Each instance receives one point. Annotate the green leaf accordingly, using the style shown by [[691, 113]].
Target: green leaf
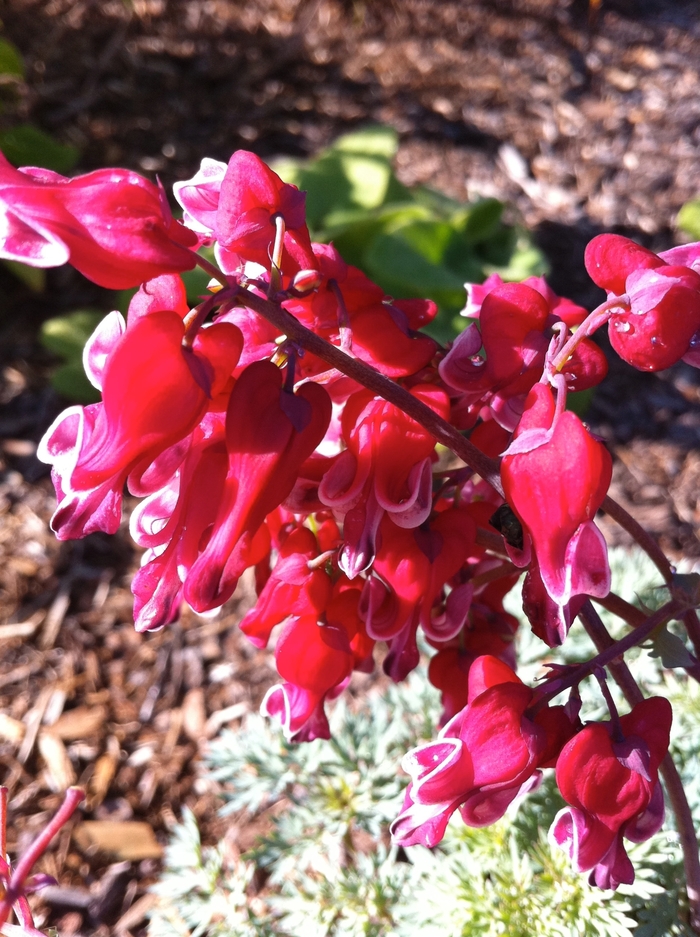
[[671, 649], [66, 335], [196, 282], [33, 277], [688, 219], [71, 382], [483, 220], [10, 59], [26, 145], [377, 140], [404, 272], [580, 401]]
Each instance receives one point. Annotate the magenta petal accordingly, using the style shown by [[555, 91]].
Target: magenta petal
[[440, 771], [100, 344], [614, 868], [483, 808], [299, 712], [421, 824], [584, 838], [640, 828], [587, 560], [417, 507]]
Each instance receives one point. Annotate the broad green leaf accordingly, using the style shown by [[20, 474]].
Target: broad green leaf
[[10, 59], [580, 401], [688, 219], [483, 220], [66, 335], [196, 282], [404, 272], [33, 277], [526, 260], [368, 177], [71, 382], [26, 145], [352, 230], [430, 239], [370, 141]]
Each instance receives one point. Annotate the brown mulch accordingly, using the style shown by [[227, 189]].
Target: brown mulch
[[579, 127]]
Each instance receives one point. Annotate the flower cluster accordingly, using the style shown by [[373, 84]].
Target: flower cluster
[[281, 449]]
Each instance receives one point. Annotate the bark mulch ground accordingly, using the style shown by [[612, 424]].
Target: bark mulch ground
[[580, 127]]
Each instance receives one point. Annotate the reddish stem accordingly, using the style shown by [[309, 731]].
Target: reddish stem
[[487, 468], [658, 558], [36, 849], [590, 325], [610, 652]]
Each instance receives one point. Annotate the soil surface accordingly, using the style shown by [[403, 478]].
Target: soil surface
[[581, 123]]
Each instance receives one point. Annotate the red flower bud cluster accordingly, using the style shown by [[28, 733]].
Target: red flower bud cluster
[[251, 451]]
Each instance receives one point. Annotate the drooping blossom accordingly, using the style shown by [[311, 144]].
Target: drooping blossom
[[269, 434], [609, 777], [113, 225], [515, 328], [483, 758], [659, 309], [155, 390], [555, 484], [386, 468]]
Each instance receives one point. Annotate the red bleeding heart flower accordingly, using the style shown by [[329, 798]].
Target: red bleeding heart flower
[[555, 481], [113, 225], [155, 390], [610, 781], [483, 758], [660, 302], [270, 432]]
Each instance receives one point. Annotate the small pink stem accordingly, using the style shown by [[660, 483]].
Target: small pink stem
[[590, 325], [36, 849]]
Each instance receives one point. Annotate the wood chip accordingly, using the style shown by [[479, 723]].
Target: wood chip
[[59, 769], [128, 840], [194, 714], [11, 730], [32, 722], [79, 723], [103, 775], [21, 629], [136, 913], [56, 614]]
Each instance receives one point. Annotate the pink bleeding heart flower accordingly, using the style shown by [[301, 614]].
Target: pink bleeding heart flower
[[387, 467], [484, 757], [270, 432], [515, 329], [611, 785], [565, 309], [155, 390], [383, 333], [489, 630], [555, 482], [199, 196], [172, 522], [292, 588], [660, 302], [315, 660], [113, 225], [251, 195], [409, 574]]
